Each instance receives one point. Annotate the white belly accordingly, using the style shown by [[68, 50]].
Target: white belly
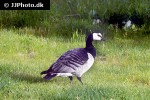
[[82, 69], [64, 74]]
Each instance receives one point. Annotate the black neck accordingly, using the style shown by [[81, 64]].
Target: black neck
[[89, 42], [89, 46]]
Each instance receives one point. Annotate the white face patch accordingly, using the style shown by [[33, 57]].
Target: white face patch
[[97, 36]]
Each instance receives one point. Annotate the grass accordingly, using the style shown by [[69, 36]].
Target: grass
[[67, 16], [121, 70]]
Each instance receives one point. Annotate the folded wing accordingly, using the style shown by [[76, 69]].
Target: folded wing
[[69, 61]]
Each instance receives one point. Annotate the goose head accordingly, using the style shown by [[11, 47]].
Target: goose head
[[92, 37], [98, 36]]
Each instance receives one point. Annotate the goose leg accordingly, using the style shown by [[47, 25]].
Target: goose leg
[[79, 78], [71, 78]]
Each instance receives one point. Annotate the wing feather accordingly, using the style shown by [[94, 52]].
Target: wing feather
[[69, 61]]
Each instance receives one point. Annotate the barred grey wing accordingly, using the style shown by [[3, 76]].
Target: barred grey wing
[[70, 60]]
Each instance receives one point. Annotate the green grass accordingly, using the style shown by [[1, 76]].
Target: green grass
[[57, 21], [121, 70]]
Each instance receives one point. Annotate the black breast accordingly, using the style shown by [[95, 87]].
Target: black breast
[[92, 51]]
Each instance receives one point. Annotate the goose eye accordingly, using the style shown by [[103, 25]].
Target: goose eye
[[99, 35]]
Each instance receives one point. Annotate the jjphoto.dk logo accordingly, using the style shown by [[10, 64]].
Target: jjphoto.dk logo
[[12, 5], [24, 5]]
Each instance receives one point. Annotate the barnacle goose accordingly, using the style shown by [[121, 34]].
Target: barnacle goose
[[74, 62]]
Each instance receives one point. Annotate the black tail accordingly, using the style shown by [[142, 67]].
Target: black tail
[[50, 76], [44, 72]]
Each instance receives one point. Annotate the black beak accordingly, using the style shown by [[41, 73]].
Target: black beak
[[103, 39]]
